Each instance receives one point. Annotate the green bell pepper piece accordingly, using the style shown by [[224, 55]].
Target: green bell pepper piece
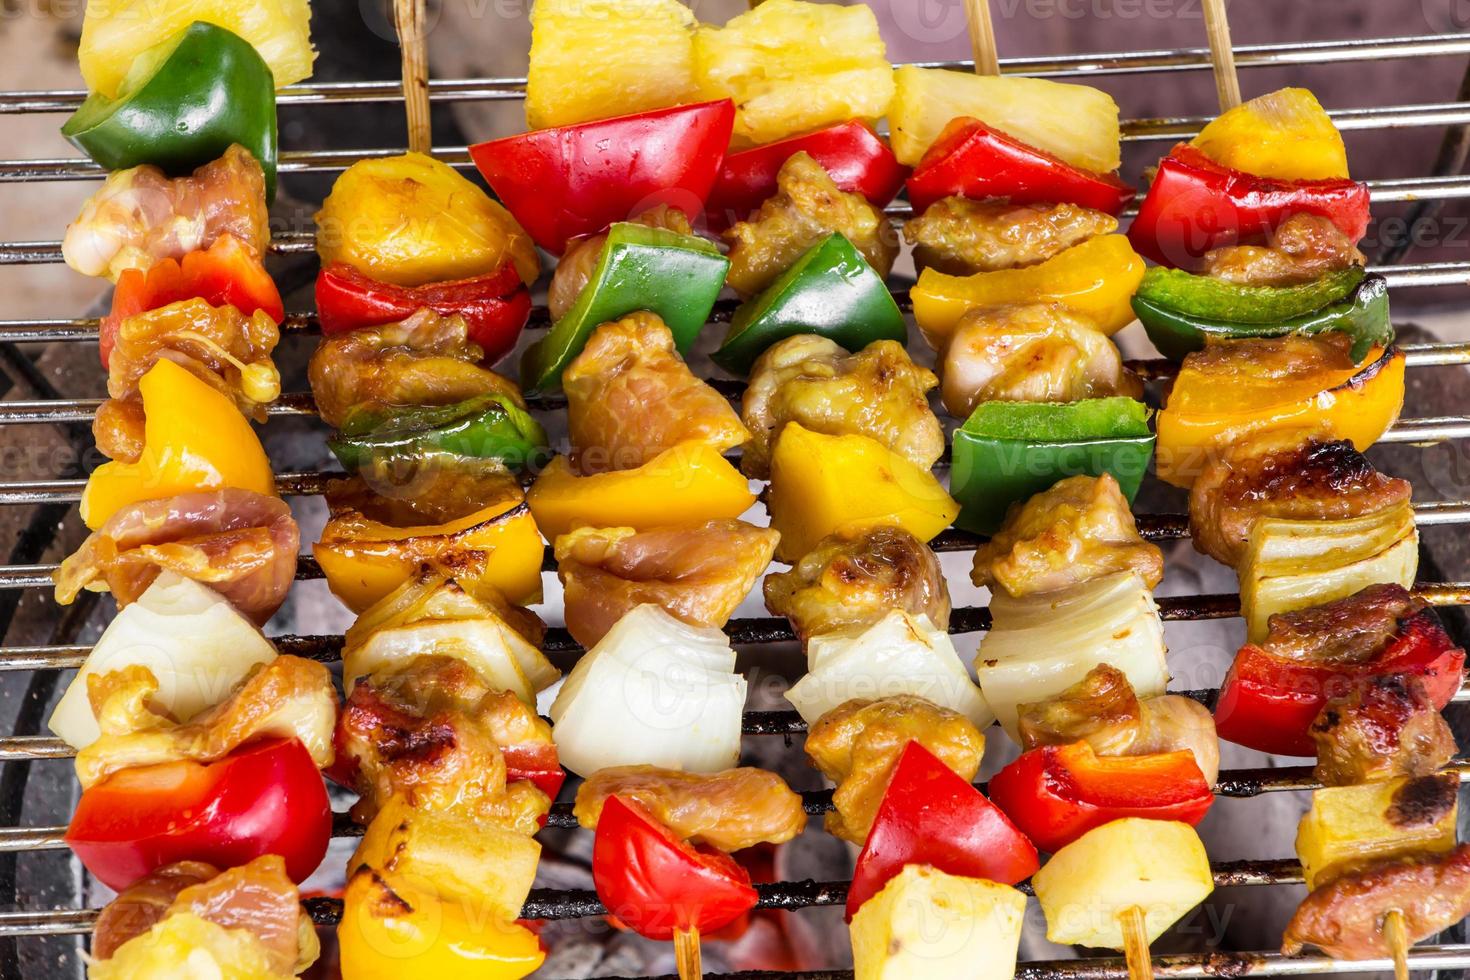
[[1006, 452], [484, 427], [181, 105], [1363, 316], [1216, 299], [678, 277], [831, 290]]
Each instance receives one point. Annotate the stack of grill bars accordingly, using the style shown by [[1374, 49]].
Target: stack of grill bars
[[16, 751]]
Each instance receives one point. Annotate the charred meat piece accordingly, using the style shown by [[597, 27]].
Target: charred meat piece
[[878, 392], [577, 264], [961, 237], [1103, 711], [1302, 248], [426, 359], [222, 347], [240, 543], [854, 578], [1077, 531], [1384, 728], [141, 215], [728, 810], [857, 744], [1039, 352], [1351, 630], [697, 574], [1345, 917], [288, 697], [630, 396], [1286, 474], [433, 732], [807, 208]]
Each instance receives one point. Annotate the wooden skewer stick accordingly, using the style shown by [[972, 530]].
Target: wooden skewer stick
[[413, 43], [982, 37], [1396, 931], [1222, 54], [686, 954], [1135, 944]]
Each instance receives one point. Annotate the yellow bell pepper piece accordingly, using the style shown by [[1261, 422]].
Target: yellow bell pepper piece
[[1216, 401], [688, 483], [194, 438], [1284, 134], [1096, 279], [822, 484], [390, 931], [411, 220], [498, 546]]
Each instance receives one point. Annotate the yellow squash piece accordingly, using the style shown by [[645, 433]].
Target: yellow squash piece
[[1159, 866], [411, 220], [1217, 400], [194, 438], [1077, 123], [823, 484], [115, 32], [936, 926], [688, 483], [1348, 826], [591, 59], [1284, 134], [793, 66], [498, 546], [389, 931], [1096, 279]]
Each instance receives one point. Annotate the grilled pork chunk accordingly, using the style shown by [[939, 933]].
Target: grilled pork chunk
[[1385, 728]]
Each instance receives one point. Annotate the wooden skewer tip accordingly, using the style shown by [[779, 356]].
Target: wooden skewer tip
[[687, 955], [1135, 944], [982, 37], [1396, 932]]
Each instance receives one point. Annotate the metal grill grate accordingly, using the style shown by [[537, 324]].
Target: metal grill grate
[[22, 749]]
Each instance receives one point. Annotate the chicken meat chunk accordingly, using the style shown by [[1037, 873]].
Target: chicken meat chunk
[[1384, 728], [879, 392], [1302, 248], [697, 574], [729, 810], [1287, 474], [807, 207], [578, 263], [1079, 530], [961, 237], [1037, 352], [852, 579], [857, 744]]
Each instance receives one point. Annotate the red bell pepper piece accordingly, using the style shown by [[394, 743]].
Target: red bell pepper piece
[[656, 884], [1268, 702], [1194, 205], [856, 157], [576, 180], [225, 274], [929, 815], [495, 307], [972, 160], [1055, 794], [264, 798], [535, 763]]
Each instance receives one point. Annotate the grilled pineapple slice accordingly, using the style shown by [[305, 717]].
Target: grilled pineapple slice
[[1159, 866], [591, 59], [1349, 826], [793, 66], [1284, 134], [114, 32], [1077, 123], [925, 923]]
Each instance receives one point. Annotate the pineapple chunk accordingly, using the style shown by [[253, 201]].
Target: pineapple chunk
[[591, 59], [1284, 134], [792, 67], [1160, 866], [925, 923], [114, 32], [1348, 826], [1077, 123], [823, 483]]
